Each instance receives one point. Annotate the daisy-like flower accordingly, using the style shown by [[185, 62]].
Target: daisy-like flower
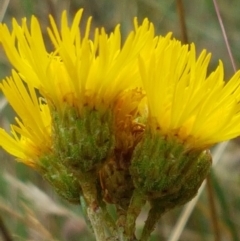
[[79, 71], [188, 112], [80, 80], [184, 102], [31, 137]]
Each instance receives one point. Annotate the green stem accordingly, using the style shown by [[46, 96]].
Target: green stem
[[95, 216], [94, 211], [153, 217], [111, 226], [98, 218], [84, 212], [134, 209]]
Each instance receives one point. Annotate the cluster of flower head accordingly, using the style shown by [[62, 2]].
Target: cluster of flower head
[[137, 115]]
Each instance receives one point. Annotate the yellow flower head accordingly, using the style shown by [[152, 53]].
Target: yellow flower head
[[80, 82], [32, 141], [80, 71], [187, 112], [183, 102]]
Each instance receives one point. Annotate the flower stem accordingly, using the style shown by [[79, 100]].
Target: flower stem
[[153, 216], [134, 209], [92, 207], [95, 217]]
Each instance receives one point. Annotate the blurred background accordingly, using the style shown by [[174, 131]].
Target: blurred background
[[30, 210]]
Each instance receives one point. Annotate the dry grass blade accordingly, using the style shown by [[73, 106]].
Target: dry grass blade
[[6, 235], [3, 9], [224, 35], [38, 198], [43, 205], [213, 209], [36, 225], [28, 219], [181, 13], [3, 103]]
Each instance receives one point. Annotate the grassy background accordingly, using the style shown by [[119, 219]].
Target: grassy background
[[29, 207]]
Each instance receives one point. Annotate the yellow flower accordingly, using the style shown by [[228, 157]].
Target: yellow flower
[[32, 141], [80, 80], [79, 71], [183, 102], [70, 130], [188, 112]]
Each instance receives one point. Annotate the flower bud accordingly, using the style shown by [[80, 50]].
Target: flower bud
[[165, 170], [82, 143]]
